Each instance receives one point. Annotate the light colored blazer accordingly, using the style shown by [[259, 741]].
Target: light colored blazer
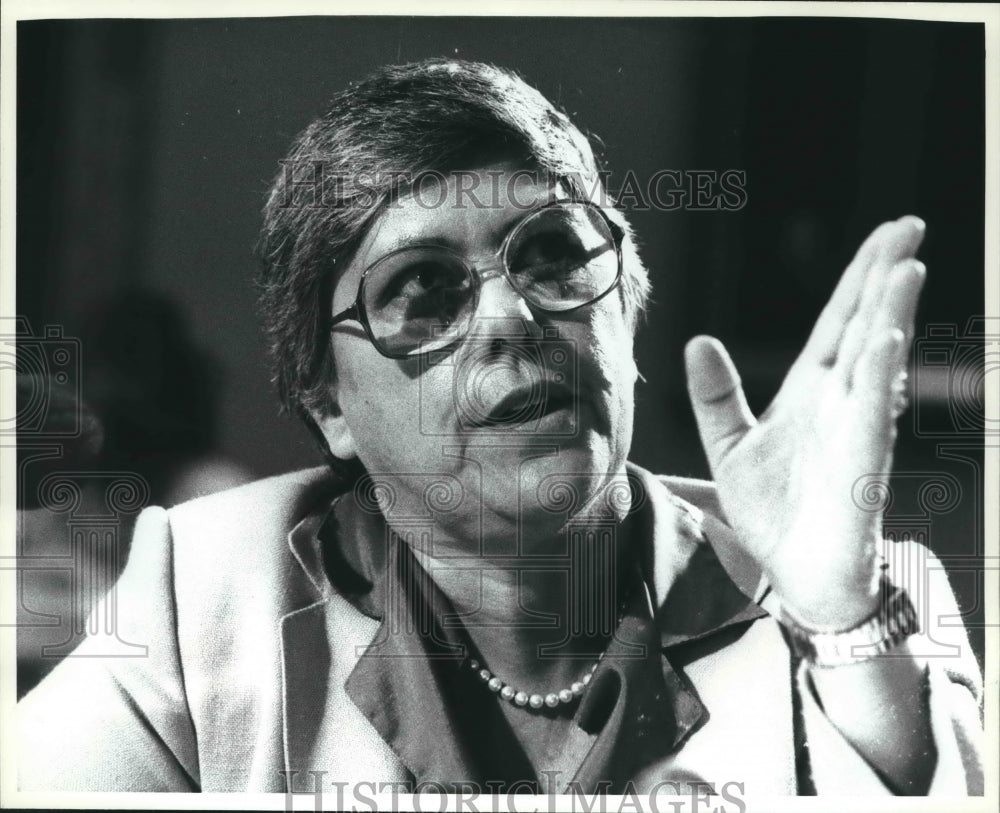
[[248, 647]]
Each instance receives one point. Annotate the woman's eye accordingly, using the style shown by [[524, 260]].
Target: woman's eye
[[549, 253], [426, 277], [541, 248], [418, 280]]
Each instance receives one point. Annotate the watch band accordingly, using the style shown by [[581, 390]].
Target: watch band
[[893, 622]]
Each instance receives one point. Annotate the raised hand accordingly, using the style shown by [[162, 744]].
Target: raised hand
[[785, 480]]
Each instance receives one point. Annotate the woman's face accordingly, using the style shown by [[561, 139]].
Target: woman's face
[[528, 408]]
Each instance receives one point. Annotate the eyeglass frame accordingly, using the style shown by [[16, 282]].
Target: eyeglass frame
[[357, 311]]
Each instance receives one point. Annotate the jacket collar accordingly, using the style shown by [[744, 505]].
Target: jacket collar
[[692, 595], [691, 549]]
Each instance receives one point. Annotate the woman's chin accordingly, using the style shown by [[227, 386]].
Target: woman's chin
[[551, 487]]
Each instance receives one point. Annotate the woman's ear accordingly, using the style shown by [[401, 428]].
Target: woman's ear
[[337, 433]]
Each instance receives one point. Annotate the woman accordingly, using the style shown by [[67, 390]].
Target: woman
[[479, 588]]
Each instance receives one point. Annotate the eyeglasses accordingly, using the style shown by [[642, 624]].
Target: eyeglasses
[[561, 257]]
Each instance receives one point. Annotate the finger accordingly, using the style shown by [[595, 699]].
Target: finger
[[898, 247], [899, 307], [877, 373], [858, 286], [896, 307], [720, 407]]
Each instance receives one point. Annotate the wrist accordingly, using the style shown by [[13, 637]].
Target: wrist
[[822, 607], [888, 625], [844, 611]]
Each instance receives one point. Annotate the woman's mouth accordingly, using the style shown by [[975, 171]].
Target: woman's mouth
[[524, 407]]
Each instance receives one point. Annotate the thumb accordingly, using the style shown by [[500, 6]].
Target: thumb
[[717, 398]]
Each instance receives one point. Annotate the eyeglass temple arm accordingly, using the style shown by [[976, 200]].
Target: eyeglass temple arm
[[345, 315], [617, 232]]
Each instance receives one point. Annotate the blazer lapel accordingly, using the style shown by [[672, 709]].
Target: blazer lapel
[[700, 582], [739, 670], [324, 733], [323, 637]]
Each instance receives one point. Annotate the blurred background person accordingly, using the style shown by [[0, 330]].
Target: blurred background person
[[157, 393], [150, 417]]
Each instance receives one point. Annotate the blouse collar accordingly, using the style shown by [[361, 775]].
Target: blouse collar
[[687, 596]]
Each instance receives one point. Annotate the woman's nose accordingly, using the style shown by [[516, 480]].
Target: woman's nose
[[502, 309]]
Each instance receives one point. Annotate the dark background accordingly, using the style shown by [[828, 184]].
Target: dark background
[[145, 149]]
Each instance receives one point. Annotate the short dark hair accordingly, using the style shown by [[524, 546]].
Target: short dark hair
[[432, 116]]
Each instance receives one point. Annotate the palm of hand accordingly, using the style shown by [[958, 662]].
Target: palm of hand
[[787, 481]]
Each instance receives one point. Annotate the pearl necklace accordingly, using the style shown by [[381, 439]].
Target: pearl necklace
[[550, 700], [534, 701]]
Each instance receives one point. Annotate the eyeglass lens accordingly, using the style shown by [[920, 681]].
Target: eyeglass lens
[[424, 298]]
